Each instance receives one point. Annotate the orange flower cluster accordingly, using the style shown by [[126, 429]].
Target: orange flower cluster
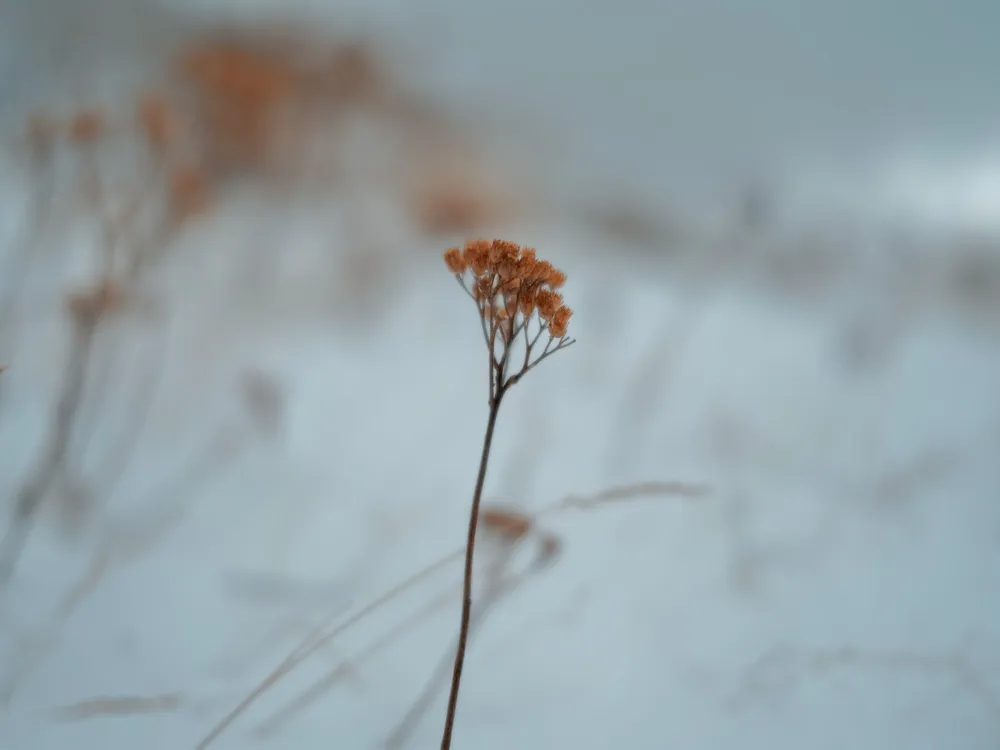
[[188, 190], [508, 279], [238, 91]]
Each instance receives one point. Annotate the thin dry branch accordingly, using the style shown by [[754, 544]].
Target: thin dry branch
[[273, 723], [121, 550], [129, 705], [37, 486], [39, 211], [548, 548], [510, 287], [87, 310], [315, 640], [501, 584], [627, 493]]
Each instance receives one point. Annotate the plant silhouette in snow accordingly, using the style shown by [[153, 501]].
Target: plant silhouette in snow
[[126, 249], [514, 292]]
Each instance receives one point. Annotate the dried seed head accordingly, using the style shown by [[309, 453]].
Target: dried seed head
[[526, 267], [511, 287], [483, 289], [87, 126], [503, 250], [506, 269], [508, 524], [476, 255], [455, 260], [560, 320], [507, 281], [542, 270], [526, 303], [547, 302]]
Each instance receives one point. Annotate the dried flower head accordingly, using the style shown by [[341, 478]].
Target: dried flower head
[[509, 285], [86, 126], [455, 261], [547, 303], [239, 90], [560, 319], [506, 524]]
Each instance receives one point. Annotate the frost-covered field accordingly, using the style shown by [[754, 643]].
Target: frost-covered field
[[769, 465]]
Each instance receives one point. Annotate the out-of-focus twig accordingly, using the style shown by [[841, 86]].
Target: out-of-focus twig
[[500, 584], [316, 640], [627, 493], [502, 522], [34, 490], [128, 705], [124, 548], [308, 696]]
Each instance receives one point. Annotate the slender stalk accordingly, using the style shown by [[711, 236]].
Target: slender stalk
[[470, 546], [31, 495]]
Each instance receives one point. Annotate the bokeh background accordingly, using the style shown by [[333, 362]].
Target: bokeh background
[[243, 402]]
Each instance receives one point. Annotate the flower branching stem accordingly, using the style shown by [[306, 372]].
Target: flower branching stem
[[510, 288]]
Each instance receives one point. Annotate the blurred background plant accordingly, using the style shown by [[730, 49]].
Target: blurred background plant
[[228, 378]]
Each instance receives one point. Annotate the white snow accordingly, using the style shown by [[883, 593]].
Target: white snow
[[838, 586]]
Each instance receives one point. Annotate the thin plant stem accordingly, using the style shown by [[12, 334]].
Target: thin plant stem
[[316, 640], [33, 492], [470, 546]]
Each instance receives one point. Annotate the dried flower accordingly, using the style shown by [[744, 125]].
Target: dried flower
[[560, 319], [455, 261], [508, 284], [239, 90], [547, 302], [507, 524], [87, 126]]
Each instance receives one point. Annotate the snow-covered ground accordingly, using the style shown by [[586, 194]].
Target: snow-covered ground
[[769, 463]]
